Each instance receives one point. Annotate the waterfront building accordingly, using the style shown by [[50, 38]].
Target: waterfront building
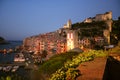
[[66, 38], [72, 39]]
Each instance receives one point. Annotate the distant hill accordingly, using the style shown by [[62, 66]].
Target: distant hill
[[3, 41]]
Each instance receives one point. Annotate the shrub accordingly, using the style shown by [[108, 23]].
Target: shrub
[[69, 71], [72, 73], [56, 62]]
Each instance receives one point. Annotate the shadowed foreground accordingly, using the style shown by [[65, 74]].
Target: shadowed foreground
[[112, 70]]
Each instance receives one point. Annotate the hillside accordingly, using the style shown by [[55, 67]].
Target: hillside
[[115, 34], [90, 29], [96, 29], [2, 41]]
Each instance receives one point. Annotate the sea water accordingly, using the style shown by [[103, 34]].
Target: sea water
[[8, 57]]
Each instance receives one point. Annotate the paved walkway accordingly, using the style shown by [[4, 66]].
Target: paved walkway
[[92, 70]]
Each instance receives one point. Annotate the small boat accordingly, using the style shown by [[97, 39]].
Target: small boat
[[4, 68], [14, 68], [7, 68], [19, 58], [1, 68]]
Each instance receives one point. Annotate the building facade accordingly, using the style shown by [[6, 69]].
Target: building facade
[[66, 38], [72, 39]]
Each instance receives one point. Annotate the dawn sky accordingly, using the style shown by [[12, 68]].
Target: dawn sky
[[23, 18]]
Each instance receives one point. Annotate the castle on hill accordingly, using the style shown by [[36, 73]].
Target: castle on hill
[[66, 38], [99, 17]]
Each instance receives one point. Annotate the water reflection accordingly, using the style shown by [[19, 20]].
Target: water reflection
[[7, 58]]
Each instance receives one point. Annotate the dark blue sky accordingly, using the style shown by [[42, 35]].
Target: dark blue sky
[[23, 18]]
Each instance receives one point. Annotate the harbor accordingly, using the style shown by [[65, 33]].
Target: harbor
[[9, 68], [16, 64]]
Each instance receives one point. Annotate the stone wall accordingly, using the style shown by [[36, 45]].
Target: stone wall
[[100, 17], [103, 17]]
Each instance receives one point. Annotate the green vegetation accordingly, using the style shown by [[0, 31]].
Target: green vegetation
[[12, 77], [69, 71], [99, 24], [96, 29], [90, 29], [115, 34], [56, 62]]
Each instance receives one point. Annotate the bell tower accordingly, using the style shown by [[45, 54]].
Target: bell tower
[[68, 25], [72, 39]]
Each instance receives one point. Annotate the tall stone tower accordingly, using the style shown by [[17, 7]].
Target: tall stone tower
[[68, 25], [72, 39]]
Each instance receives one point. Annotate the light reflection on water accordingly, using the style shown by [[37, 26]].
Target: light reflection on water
[[6, 58], [9, 57]]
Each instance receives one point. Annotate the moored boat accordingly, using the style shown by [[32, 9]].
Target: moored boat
[[0, 68], [19, 58], [14, 68]]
